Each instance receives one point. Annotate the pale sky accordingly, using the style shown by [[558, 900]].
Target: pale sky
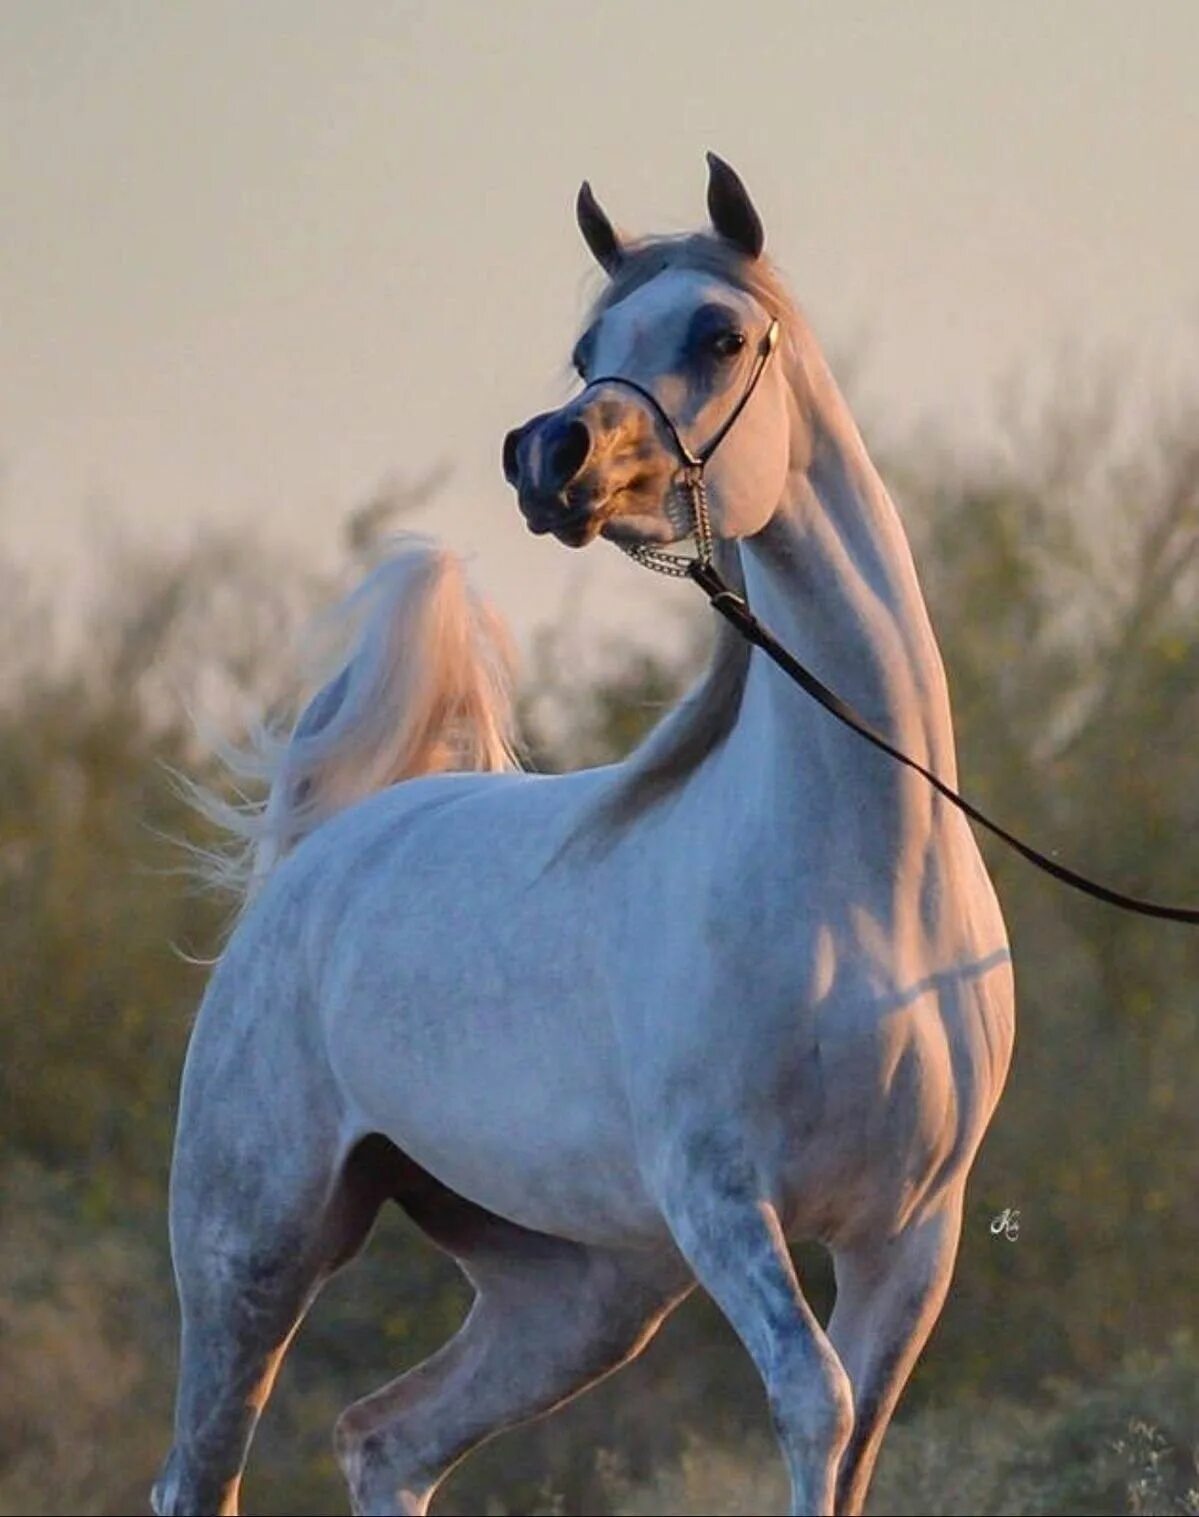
[[256, 257]]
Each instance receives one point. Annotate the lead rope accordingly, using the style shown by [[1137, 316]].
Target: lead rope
[[725, 600], [732, 607]]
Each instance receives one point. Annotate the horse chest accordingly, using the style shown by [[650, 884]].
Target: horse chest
[[850, 1110]]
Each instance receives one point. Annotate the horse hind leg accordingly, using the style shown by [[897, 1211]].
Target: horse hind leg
[[252, 1244], [550, 1319], [889, 1296]]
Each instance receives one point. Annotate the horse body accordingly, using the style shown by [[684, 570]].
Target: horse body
[[502, 1071], [613, 1058]]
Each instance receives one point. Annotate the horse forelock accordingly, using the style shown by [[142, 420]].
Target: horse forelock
[[701, 253]]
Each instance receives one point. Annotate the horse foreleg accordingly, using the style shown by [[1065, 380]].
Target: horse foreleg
[[734, 1242], [550, 1318], [889, 1296]]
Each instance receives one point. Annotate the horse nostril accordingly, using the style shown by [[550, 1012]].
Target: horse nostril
[[511, 458], [566, 453]]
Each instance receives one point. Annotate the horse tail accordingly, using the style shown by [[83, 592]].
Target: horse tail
[[426, 687]]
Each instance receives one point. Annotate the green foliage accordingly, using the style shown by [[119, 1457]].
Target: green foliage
[[81, 1305], [1065, 589]]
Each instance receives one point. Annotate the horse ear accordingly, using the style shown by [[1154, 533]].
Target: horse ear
[[598, 232], [731, 209]]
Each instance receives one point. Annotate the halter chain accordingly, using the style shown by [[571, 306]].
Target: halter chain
[[678, 565]]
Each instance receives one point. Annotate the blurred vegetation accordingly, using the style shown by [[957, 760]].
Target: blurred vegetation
[[1078, 1451], [1063, 574]]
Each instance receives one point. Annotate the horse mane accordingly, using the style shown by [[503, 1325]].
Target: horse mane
[[702, 721]]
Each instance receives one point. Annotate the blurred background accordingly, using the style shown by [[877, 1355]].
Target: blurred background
[[274, 281]]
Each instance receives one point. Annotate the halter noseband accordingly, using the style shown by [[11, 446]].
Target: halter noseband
[[677, 564]]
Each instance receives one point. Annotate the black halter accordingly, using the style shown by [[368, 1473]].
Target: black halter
[[735, 610], [692, 478]]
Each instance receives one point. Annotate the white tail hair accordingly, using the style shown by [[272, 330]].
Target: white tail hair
[[426, 688]]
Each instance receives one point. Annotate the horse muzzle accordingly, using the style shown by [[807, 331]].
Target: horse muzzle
[[546, 462], [596, 462]]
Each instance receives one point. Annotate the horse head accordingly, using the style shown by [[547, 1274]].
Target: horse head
[[675, 343]]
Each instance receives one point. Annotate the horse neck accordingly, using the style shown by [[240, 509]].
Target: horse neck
[[832, 576]]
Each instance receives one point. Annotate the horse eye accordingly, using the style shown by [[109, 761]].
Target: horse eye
[[728, 344]]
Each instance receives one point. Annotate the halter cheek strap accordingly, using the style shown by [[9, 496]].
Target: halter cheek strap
[[691, 480]]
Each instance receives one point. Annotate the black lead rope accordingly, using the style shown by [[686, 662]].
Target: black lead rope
[[733, 608]]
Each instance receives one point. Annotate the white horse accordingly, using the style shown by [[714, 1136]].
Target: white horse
[[608, 1034]]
